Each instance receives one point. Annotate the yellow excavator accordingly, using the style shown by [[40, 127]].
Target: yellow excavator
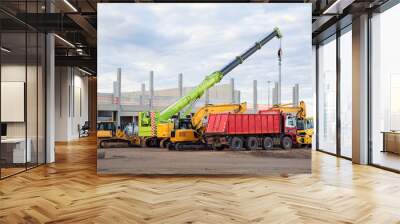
[[305, 125], [188, 132], [109, 135], [105, 129]]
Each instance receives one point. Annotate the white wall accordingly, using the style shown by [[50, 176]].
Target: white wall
[[71, 94]]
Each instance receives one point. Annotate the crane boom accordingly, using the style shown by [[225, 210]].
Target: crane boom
[[214, 78], [149, 120]]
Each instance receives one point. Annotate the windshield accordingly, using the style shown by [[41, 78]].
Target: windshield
[[309, 123], [105, 126], [300, 125]]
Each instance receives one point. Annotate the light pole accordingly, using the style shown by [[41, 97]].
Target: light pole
[[280, 72]]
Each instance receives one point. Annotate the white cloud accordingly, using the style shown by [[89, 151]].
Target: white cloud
[[197, 39]]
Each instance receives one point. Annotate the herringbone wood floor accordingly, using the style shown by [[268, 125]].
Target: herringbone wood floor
[[70, 191]]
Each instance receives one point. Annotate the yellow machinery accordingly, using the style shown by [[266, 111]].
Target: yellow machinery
[[188, 131], [105, 129], [110, 136], [305, 125]]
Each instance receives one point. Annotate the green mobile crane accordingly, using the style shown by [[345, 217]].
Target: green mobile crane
[[149, 120]]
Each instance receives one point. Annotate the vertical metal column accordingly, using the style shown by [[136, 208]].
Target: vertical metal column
[[369, 90], [232, 90], [360, 88], [317, 97], [118, 89], [50, 92], [255, 103], [338, 77], [151, 89], [295, 96], [180, 84], [269, 93], [142, 94], [275, 94]]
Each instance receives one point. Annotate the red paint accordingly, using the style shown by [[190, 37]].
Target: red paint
[[268, 123]]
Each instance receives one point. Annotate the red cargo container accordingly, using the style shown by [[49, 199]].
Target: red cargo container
[[250, 130], [244, 124]]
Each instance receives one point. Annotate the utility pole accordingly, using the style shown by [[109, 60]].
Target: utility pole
[[280, 72]]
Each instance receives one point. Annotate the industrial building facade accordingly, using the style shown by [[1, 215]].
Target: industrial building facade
[[123, 107]]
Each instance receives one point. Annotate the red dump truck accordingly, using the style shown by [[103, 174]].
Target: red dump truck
[[251, 131]]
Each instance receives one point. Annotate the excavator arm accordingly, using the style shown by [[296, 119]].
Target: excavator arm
[[203, 112], [299, 110]]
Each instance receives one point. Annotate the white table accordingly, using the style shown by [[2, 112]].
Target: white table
[[18, 149]]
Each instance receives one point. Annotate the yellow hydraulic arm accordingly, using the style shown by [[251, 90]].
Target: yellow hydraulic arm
[[198, 117], [299, 110]]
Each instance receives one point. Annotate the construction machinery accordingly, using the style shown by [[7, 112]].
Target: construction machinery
[[108, 135], [149, 121], [305, 125], [105, 129], [188, 132], [251, 131]]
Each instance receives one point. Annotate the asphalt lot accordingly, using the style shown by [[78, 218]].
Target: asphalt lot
[[139, 161]]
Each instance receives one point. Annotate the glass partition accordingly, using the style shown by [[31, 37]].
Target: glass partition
[[22, 78], [13, 92], [327, 96], [385, 88], [346, 93]]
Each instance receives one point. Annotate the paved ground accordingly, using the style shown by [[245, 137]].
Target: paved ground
[[162, 161]]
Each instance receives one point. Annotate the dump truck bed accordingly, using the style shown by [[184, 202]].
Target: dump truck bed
[[233, 124]]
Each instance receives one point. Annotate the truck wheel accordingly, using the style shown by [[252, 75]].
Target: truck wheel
[[286, 142], [101, 144], [251, 143], [268, 143], [236, 143]]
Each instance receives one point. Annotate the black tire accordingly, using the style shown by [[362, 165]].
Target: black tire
[[216, 147], [152, 142], [171, 146], [236, 143], [268, 143], [286, 142], [101, 154], [164, 143], [251, 143], [101, 145], [178, 146]]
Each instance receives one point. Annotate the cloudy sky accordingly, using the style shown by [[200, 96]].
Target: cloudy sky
[[197, 39]]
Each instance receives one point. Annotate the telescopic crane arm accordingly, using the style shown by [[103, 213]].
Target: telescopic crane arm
[[214, 78]]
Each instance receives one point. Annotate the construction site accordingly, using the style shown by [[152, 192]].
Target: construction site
[[204, 128]]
